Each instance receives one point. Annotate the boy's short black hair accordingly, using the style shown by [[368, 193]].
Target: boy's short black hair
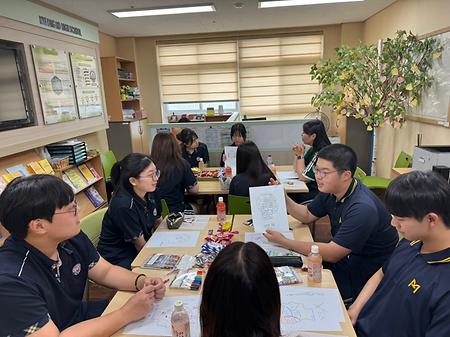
[[342, 157], [418, 193], [29, 198]]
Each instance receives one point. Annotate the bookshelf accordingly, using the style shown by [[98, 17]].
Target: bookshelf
[[85, 204], [117, 73]]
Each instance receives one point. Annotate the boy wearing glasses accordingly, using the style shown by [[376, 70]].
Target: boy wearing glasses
[[45, 263], [362, 237], [410, 294]]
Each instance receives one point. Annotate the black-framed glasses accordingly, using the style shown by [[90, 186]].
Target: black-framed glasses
[[322, 174], [155, 175], [73, 210]]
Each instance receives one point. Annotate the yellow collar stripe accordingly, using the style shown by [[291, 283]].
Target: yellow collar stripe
[[353, 189], [412, 243], [446, 260]]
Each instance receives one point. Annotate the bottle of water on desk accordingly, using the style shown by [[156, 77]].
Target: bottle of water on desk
[[180, 321], [315, 265], [221, 210]]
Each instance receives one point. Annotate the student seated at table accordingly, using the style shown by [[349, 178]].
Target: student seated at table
[[362, 235], [176, 175], [238, 135], [134, 211], [251, 170], [410, 294], [241, 296], [315, 136], [191, 149], [46, 262]]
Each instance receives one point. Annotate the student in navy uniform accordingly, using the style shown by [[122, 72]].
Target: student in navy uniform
[[315, 136], [134, 211], [45, 263], [410, 295], [241, 283], [191, 149], [176, 175], [251, 170], [362, 236], [238, 135]]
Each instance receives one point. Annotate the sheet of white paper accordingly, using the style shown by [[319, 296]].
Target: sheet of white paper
[[269, 208], [261, 240], [230, 153], [157, 323], [173, 239], [314, 309], [285, 175], [195, 222], [294, 185]]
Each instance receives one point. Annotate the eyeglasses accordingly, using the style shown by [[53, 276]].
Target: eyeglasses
[[73, 210], [154, 176], [322, 174]]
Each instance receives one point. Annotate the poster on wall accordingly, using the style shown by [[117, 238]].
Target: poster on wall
[[87, 86], [55, 84]]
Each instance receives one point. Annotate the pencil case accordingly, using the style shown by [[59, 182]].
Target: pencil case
[[292, 261], [174, 220]]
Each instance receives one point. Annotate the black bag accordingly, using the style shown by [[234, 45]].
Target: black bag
[[292, 261]]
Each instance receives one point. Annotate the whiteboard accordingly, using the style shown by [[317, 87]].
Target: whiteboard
[[436, 99], [269, 135]]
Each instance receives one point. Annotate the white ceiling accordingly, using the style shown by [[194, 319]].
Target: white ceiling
[[226, 17]]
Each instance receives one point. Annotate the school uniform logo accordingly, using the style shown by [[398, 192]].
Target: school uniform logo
[[414, 286], [76, 269]]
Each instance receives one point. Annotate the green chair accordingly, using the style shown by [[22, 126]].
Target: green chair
[[165, 208], [91, 225], [404, 160], [238, 205], [359, 173], [372, 182], [108, 160]]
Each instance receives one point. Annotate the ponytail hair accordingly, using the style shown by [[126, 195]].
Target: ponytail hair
[[129, 167]]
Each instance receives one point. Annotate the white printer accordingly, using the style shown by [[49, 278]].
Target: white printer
[[425, 157]]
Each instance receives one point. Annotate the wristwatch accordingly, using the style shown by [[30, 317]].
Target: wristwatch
[[299, 157]]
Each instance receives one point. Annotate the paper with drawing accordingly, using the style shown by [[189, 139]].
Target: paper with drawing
[[173, 239]]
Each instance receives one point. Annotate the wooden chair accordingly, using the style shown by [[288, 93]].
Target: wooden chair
[[238, 205]]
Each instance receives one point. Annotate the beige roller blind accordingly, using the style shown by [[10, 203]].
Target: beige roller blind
[[274, 74], [198, 72]]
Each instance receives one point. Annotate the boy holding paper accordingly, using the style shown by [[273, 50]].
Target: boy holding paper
[[362, 237]]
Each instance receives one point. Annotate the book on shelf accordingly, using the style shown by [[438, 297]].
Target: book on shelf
[[94, 196], [35, 168], [18, 168], [68, 182], [94, 172], [87, 174], [46, 166], [76, 178], [8, 177]]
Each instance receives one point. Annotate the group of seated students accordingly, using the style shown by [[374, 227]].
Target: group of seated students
[[394, 288]]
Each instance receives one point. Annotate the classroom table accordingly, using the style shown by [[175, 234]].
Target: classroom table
[[211, 186], [301, 232], [396, 171]]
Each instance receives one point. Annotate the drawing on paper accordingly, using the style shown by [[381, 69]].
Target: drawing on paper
[[294, 313], [267, 206]]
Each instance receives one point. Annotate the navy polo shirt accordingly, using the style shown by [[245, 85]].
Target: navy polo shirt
[[33, 289], [413, 298], [361, 223], [127, 218], [193, 158], [173, 187]]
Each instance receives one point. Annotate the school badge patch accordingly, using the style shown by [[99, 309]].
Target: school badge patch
[[76, 269]]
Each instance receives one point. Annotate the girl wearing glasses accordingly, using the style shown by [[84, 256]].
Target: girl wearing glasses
[[315, 136], [134, 211]]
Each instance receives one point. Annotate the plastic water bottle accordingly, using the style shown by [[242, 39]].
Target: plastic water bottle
[[201, 164], [221, 210], [315, 265], [271, 165], [180, 321]]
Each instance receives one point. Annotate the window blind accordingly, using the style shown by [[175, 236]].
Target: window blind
[[198, 72], [274, 74]]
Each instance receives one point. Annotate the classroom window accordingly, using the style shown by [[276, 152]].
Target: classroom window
[[260, 77]]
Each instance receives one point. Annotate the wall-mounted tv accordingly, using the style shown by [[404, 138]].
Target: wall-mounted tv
[[16, 104]]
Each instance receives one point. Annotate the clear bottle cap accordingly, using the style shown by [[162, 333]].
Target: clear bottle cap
[[315, 249], [178, 304], [220, 199]]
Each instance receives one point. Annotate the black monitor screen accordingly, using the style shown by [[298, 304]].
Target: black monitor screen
[[15, 96]]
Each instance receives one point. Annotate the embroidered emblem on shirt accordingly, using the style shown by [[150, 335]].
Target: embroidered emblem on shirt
[[76, 269], [31, 329], [414, 285]]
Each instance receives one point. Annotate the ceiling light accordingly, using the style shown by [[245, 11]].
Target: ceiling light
[[286, 3], [126, 13]]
